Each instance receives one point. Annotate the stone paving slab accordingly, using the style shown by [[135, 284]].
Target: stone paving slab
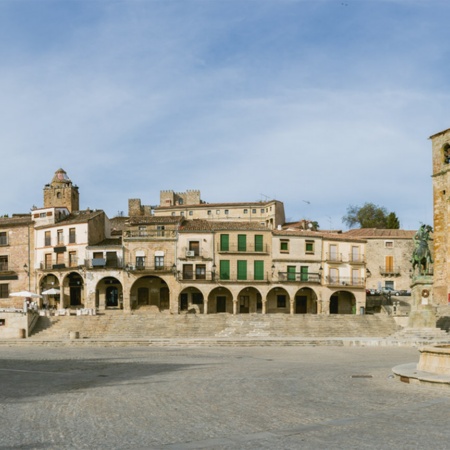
[[216, 398]]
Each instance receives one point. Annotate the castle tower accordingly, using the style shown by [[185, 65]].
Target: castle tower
[[61, 192], [441, 207]]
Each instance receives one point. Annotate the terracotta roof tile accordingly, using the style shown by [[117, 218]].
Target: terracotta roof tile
[[379, 233]]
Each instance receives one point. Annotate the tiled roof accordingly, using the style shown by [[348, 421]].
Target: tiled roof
[[379, 233], [149, 220], [19, 219], [108, 243], [74, 217], [318, 234]]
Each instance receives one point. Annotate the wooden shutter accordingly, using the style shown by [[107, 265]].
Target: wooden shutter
[[242, 242], [224, 242], [224, 270], [259, 246], [259, 270], [242, 270], [291, 273]]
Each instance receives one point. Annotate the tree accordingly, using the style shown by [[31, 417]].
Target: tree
[[370, 216]]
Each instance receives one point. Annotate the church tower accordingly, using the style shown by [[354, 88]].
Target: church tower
[[441, 211], [61, 192]]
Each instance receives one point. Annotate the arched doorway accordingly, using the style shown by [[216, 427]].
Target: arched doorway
[[73, 290], [150, 293], [305, 301], [220, 300], [50, 283], [249, 301], [191, 300], [342, 302], [109, 293], [278, 301]]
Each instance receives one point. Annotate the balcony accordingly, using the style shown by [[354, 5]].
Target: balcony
[[233, 278], [249, 248], [356, 282], [104, 263], [188, 276], [333, 257], [148, 268], [356, 259], [298, 277], [390, 271]]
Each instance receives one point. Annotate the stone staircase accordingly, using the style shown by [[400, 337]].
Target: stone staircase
[[117, 326]]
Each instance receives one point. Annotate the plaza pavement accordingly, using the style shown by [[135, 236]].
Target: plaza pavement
[[216, 398]]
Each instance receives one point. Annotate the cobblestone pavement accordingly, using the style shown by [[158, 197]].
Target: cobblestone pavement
[[216, 398]]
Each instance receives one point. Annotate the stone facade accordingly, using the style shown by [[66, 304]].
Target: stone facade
[[441, 204]]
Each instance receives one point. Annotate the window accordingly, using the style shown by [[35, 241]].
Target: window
[[258, 270], [284, 246], [291, 273], [389, 264], [140, 262], [245, 211], [262, 210], [48, 261], [259, 243], [254, 211], [200, 272], [303, 273], [191, 213], [218, 211], [60, 258], [224, 242], [72, 236], [48, 239], [3, 263], [194, 246], [3, 238], [197, 298], [97, 255], [309, 247], [334, 275], [73, 259], [224, 269], [4, 291], [180, 201], [389, 244], [209, 212], [333, 252], [160, 230], [188, 272], [159, 262], [242, 270], [281, 301], [226, 211], [60, 237], [389, 284], [42, 215], [242, 242]]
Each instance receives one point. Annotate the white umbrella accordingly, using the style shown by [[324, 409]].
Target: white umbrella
[[51, 291], [25, 294]]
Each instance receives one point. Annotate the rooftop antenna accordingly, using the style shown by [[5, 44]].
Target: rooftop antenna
[[266, 197]]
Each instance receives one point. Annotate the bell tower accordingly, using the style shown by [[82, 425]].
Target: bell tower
[[61, 192]]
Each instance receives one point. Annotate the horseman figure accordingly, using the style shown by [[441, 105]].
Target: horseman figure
[[421, 255]]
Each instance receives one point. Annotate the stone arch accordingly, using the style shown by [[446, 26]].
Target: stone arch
[[46, 282], [305, 301], [342, 302], [109, 293], [72, 291], [220, 300], [151, 293], [191, 300], [278, 301], [249, 301]]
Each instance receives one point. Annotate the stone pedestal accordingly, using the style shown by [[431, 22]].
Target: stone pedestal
[[423, 312]]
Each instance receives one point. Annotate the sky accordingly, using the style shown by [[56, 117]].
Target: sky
[[320, 104]]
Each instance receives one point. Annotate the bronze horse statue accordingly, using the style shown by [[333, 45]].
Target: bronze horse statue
[[422, 255]]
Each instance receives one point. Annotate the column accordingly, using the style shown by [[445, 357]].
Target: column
[[264, 301], [205, 305], [235, 304], [291, 307]]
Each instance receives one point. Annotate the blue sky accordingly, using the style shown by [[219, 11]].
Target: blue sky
[[321, 104]]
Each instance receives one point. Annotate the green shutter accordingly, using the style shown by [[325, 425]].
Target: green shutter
[[242, 270], [259, 270], [224, 270], [224, 242], [291, 273], [304, 273], [242, 242], [259, 243]]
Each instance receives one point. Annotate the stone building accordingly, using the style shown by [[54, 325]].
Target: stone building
[[388, 256], [441, 204]]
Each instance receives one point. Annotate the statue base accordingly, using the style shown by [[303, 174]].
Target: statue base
[[423, 312]]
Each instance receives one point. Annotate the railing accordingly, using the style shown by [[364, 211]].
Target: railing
[[357, 259], [390, 271], [148, 268], [249, 248], [299, 277], [333, 257], [345, 281], [208, 276], [150, 234], [54, 265], [232, 277], [3, 266], [103, 263]]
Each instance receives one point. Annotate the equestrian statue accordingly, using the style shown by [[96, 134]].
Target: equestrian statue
[[421, 254]]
